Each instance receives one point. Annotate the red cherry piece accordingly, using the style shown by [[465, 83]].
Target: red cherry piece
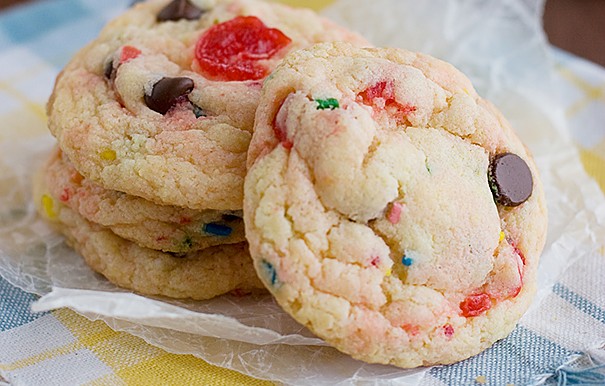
[[230, 51], [475, 305], [381, 96], [129, 53]]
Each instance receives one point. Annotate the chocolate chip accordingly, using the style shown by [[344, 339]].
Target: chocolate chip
[[166, 92], [108, 71], [510, 179], [179, 9], [230, 217]]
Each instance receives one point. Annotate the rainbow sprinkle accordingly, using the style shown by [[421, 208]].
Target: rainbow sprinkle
[[270, 271], [217, 229], [108, 155], [407, 261], [48, 205], [330, 103], [502, 235]]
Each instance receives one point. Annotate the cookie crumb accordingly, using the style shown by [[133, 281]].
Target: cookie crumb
[[481, 379]]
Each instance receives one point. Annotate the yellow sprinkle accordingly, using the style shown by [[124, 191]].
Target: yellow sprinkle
[[502, 235], [481, 379], [49, 206], [389, 272], [108, 155]]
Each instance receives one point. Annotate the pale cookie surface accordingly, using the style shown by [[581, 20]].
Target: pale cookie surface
[[161, 227], [197, 275], [370, 212], [161, 105]]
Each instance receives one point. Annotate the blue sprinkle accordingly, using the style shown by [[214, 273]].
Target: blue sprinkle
[[407, 261], [217, 229], [198, 111], [271, 272]]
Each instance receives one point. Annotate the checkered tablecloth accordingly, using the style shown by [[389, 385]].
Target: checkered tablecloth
[[64, 348]]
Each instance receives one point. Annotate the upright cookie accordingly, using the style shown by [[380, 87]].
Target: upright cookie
[[161, 227], [161, 105], [198, 275], [379, 210]]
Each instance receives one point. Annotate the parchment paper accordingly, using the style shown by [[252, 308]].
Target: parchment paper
[[499, 44]]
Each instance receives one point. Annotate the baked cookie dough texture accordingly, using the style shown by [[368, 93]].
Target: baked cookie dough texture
[[153, 120], [389, 208], [164, 109]]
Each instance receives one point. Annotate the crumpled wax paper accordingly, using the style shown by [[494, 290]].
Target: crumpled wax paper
[[498, 44]]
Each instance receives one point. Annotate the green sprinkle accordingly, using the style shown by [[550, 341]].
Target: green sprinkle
[[330, 103], [187, 243]]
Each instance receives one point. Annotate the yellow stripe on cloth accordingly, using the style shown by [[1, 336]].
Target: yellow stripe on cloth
[[135, 362], [316, 5], [591, 92], [35, 359], [595, 165]]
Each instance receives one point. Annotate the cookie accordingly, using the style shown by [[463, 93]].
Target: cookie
[[161, 105], [198, 275], [166, 228], [389, 208]]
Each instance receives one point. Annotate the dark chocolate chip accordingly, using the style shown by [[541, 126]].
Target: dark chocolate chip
[[166, 92], [510, 179], [230, 217], [108, 71], [179, 9]]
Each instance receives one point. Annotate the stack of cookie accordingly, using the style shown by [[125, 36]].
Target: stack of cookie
[[153, 120], [387, 207]]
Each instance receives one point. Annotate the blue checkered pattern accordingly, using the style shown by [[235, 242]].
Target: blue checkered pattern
[[14, 306], [543, 349]]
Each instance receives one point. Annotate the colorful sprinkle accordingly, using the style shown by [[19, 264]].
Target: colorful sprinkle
[[475, 305], [375, 260], [395, 213], [330, 103], [217, 229], [199, 113], [502, 236], [108, 155], [187, 243], [448, 330], [407, 261], [270, 272], [65, 195], [389, 272], [49, 206], [129, 53]]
